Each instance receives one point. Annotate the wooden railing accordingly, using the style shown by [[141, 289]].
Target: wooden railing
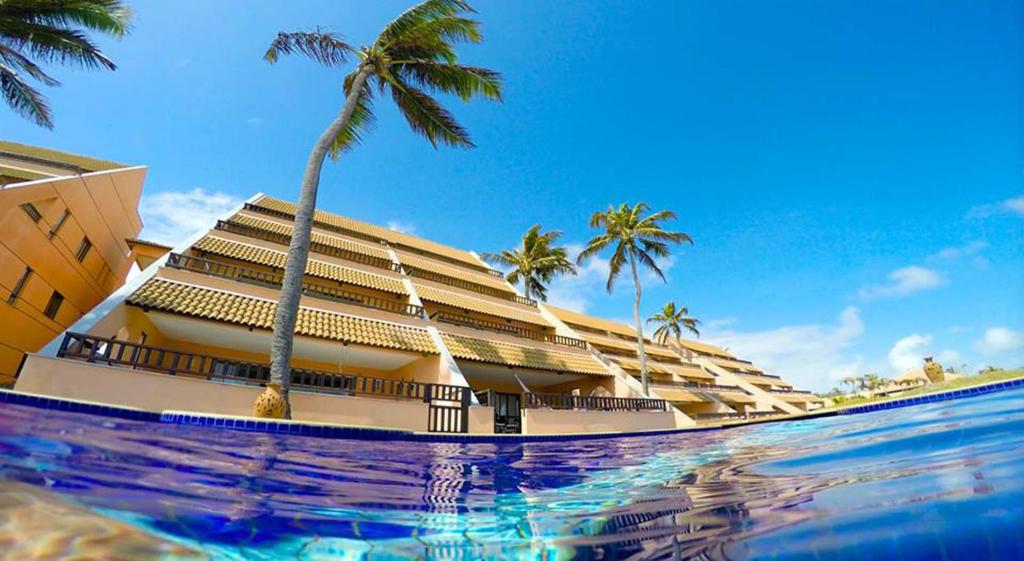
[[592, 403], [774, 390], [372, 238], [326, 249], [275, 278], [113, 352], [509, 329]]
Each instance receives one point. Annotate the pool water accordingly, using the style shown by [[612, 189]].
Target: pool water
[[937, 481]]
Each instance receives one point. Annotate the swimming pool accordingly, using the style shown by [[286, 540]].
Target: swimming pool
[[936, 481]]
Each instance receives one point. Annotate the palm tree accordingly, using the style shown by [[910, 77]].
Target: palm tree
[[671, 323], [535, 262], [34, 32], [412, 58], [638, 239]]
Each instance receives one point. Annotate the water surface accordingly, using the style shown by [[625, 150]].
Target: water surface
[[937, 481]]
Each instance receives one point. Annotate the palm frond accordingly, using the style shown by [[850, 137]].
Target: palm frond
[[15, 60], [427, 117], [112, 17], [55, 45], [418, 15], [327, 48], [23, 98], [361, 120], [463, 81]]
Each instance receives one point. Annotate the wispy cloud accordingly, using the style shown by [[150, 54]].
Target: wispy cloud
[[955, 253], [909, 352], [902, 282], [1013, 205], [403, 227], [577, 292], [999, 340], [811, 356], [172, 216]]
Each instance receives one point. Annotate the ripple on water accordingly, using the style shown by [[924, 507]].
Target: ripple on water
[[936, 481]]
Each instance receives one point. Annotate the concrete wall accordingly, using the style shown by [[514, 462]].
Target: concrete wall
[[481, 420], [158, 392], [544, 421]]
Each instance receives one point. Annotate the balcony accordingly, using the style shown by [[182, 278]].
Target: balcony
[[113, 352], [422, 273], [372, 238], [326, 249], [592, 403], [274, 279], [508, 329]]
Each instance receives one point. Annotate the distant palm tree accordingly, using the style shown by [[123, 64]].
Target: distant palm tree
[[638, 239], [411, 58], [672, 321], [535, 262], [51, 31]]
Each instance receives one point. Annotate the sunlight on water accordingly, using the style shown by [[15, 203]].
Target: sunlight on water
[[927, 482]]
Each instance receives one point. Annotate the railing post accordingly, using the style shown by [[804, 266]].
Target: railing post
[[64, 345]]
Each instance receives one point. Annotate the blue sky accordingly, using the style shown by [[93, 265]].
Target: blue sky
[[852, 173]]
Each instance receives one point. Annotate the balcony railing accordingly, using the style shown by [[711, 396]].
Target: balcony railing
[[684, 385], [113, 352], [275, 278], [285, 239], [776, 390], [372, 238], [509, 329], [592, 403], [467, 285]]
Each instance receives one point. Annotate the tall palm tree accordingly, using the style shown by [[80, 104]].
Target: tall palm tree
[[33, 32], [412, 58], [638, 239], [672, 321], [535, 262]]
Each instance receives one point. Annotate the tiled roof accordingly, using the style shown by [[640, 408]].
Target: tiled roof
[[735, 365], [733, 397], [605, 341], [227, 307], [334, 241], [441, 268], [375, 231], [676, 395], [704, 348], [763, 380], [321, 269], [660, 351], [634, 364], [466, 302], [592, 322], [795, 397], [493, 352], [691, 372]]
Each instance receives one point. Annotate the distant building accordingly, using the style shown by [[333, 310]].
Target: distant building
[[394, 331], [65, 226]]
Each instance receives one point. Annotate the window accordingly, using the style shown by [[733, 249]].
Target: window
[[32, 212], [53, 305], [60, 222], [19, 286], [83, 249]]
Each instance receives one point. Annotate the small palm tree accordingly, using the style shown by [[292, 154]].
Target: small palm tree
[[672, 322], [411, 58], [535, 262], [51, 31], [638, 240]]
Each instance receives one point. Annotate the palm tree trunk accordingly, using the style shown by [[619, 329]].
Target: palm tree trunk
[[298, 250], [639, 329]]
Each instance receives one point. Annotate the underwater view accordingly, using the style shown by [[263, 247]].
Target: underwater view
[[937, 481]]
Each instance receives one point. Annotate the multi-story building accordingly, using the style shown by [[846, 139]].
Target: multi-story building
[[393, 331], [68, 225]]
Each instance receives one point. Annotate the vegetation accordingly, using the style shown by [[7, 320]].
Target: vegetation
[[412, 58], [982, 378], [671, 322], [52, 31], [638, 240], [535, 262]]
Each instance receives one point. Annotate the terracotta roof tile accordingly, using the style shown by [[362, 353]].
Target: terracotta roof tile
[[334, 241], [195, 301], [315, 268], [592, 322], [494, 352], [467, 302], [441, 268]]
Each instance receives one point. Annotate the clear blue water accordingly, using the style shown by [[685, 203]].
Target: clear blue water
[[939, 481]]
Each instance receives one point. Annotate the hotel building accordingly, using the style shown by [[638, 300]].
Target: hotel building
[[69, 225], [394, 331]]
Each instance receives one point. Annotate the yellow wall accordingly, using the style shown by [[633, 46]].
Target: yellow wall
[[103, 207]]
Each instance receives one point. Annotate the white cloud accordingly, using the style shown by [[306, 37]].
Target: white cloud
[[172, 216], [958, 252], [811, 356], [576, 292], [909, 352], [902, 282], [997, 340], [403, 227], [1013, 205]]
